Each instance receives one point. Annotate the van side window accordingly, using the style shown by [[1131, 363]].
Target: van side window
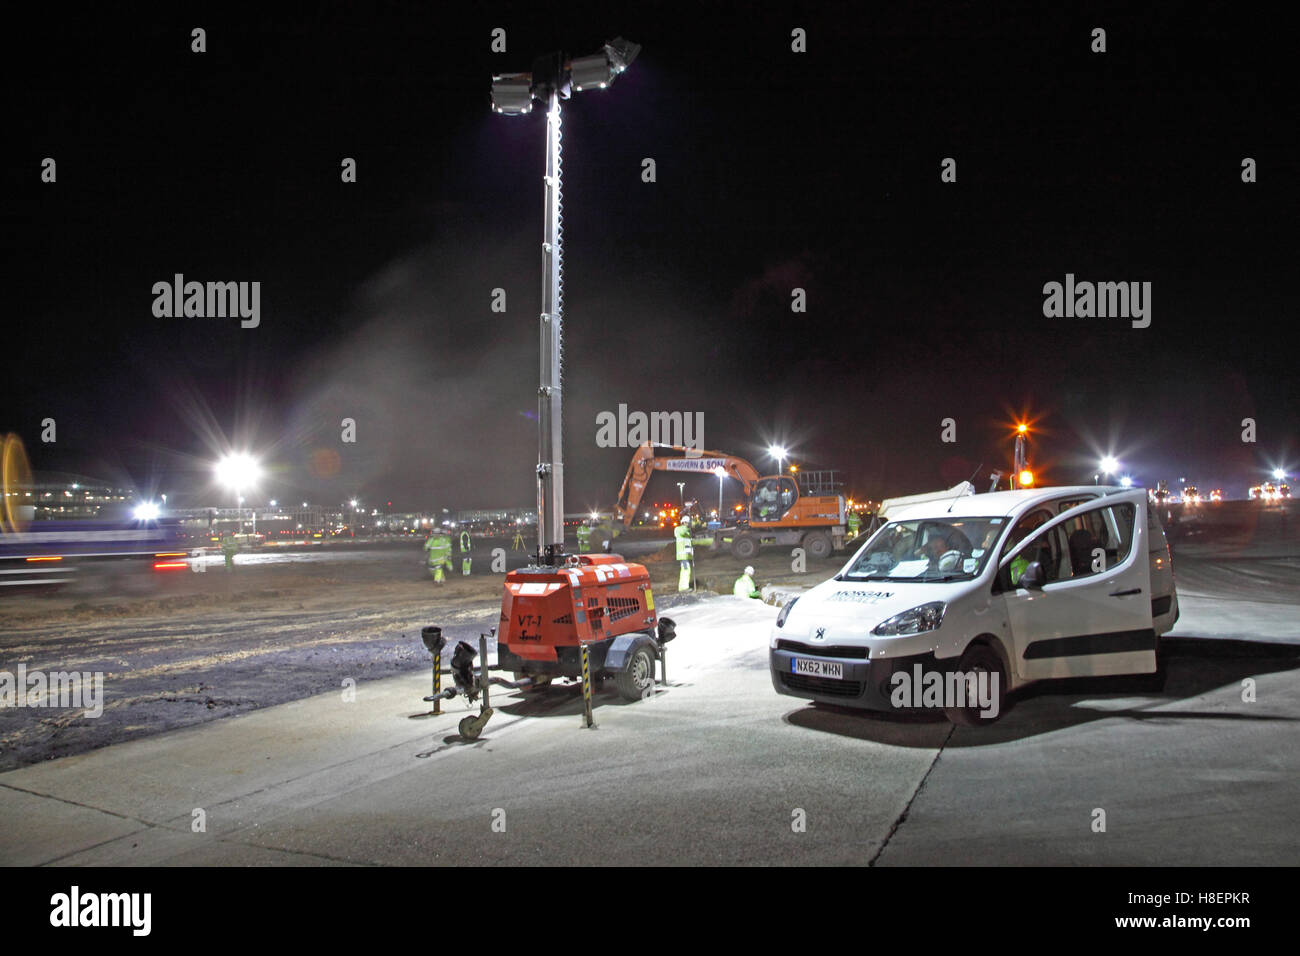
[[1099, 540], [1089, 544]]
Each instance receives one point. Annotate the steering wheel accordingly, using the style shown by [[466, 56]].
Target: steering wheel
[[949, 560]]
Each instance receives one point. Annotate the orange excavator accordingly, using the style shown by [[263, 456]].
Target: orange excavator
[[803, 509]]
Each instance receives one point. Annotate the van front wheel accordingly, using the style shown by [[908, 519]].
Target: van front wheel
[[985, 682]]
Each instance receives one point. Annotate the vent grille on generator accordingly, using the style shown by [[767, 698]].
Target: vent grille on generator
[[620, 608]]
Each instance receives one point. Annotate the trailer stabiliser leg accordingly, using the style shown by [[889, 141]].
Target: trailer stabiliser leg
[[587, 720], [434, 641]]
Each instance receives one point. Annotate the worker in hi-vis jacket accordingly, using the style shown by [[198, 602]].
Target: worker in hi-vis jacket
[[685, 554]]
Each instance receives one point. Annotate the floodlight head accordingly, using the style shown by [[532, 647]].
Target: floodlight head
[[512, 94], [590, 72], [621, 53], [600, 69]]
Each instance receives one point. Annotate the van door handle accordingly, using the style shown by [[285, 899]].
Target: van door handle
[[1126, 593]]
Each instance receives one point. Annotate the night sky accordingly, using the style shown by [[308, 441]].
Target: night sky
[[775, 170]]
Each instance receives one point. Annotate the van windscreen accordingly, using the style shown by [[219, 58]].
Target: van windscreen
[[928, 549]]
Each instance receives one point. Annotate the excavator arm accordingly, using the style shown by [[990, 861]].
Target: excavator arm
[[650, 458]]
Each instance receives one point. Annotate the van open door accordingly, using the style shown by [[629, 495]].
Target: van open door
[[1077, 592]]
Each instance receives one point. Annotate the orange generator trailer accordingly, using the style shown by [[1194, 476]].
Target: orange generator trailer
[[599, 600]]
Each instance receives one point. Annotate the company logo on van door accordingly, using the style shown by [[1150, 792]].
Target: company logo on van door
[[860, 597]]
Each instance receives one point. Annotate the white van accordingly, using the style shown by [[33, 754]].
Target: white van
[[956, 601]]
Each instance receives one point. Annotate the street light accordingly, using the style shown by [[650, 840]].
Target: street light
[[681, 490], [1126, 481], [552, 79], [238, 471], [721, 473], [779, 453]]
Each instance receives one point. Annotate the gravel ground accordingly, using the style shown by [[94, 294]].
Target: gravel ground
[[201, 647]]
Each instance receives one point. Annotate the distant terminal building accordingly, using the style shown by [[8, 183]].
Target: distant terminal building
[[269, 521], [492, 521], [494, 515], [55, 497]]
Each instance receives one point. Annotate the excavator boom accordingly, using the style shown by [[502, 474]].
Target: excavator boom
[[650, 457]]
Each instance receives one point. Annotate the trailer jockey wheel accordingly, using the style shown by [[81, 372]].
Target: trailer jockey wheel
[[637, 675], [467, 728]]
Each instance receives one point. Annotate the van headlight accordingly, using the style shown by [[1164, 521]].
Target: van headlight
[[785, 612], [924, 617]]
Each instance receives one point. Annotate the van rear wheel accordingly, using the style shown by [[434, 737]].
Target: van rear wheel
[[981, 666]]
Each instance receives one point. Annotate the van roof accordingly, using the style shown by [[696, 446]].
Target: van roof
[[1000, 503]]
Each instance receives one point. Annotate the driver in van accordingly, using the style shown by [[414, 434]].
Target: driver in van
[[936, 546], [1026, 526]]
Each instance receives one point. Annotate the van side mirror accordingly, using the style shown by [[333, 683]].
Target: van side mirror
[[1033, 577]]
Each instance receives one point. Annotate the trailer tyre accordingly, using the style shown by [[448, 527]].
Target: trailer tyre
[[637, 674], [817, 544], [745, 547]]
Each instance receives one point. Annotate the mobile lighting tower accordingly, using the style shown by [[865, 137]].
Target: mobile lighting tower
[[554, 79], [567, 614]]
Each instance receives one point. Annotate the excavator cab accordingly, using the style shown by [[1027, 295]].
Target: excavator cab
[[772, 499]]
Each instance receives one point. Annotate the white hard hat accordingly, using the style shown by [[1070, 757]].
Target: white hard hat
[[749, 569]]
